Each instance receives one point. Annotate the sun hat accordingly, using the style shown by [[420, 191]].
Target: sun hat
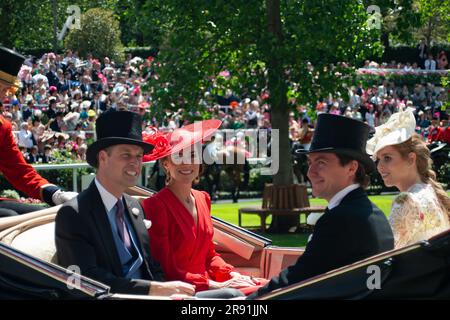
[[399, 128], [173, 142]]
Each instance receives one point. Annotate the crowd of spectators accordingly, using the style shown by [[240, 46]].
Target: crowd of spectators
[[53, 113]]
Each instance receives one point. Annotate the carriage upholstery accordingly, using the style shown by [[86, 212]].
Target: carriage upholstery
[[33, 233]]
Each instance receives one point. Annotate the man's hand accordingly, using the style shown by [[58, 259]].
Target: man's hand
[[171, 287], [59, 197]]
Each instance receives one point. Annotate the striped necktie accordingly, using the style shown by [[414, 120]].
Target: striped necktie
[[121, 226]]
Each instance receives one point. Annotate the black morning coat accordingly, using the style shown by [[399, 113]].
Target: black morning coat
[[354, 230], [83, 237]]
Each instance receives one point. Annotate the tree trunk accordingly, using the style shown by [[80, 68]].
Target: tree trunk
[[279, 109]]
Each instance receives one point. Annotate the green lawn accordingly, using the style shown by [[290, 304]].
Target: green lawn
[[229, 212]]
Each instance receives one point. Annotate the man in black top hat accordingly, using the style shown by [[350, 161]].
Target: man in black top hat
[[352, 228], [103, 231]]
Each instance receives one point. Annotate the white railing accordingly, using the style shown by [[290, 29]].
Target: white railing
[[401, 71], [82, 165], [76, 166]]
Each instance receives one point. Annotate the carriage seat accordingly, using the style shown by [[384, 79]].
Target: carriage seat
[[38, 242], [35, 237], [34, 234]]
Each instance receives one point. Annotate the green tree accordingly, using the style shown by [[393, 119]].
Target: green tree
[[264, 44], [29, 24], [407, 21], [398, 19], [99, 35], [435, 20]]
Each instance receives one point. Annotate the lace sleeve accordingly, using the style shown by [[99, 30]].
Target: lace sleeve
[[404, 219]]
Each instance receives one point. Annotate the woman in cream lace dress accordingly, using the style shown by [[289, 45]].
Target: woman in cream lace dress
[[421, 210]]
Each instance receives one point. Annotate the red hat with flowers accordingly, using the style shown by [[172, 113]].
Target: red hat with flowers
[[234, 104], [166, 144]]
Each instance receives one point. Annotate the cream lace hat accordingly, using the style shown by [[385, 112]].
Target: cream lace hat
[[399, 128]]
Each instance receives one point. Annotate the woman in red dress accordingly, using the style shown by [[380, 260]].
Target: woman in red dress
[[182, 230]]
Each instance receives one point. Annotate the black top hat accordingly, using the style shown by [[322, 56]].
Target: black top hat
[[119, 127], [10, 63], [341, 135]]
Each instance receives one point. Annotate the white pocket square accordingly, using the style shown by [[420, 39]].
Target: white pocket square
[[147, 224]]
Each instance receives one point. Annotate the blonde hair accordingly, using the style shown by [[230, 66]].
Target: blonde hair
[[424, 167]]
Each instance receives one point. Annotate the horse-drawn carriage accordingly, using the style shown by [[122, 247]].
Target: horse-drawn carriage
[[29, 268]]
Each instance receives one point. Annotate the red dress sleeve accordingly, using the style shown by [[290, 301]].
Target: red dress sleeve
[[16, 170], [216, 267]]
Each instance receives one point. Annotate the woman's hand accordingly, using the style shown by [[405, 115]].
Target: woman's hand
[[237, 281], [239, 278]]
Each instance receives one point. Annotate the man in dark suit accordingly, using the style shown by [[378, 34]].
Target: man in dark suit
[[352, 228], [103, 231]]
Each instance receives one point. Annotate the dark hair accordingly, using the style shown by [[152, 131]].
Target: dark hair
[[108, 150], [361, 176]]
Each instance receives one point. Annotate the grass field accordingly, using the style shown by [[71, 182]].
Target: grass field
[[229, 212]]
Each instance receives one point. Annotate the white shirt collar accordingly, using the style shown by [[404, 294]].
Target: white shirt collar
[[109, 200], [336, 200]]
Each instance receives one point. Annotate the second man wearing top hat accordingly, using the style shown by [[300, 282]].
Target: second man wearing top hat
[[352, 228]]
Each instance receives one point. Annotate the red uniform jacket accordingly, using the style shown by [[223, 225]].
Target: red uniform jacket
[[185, 251], [16, 170]]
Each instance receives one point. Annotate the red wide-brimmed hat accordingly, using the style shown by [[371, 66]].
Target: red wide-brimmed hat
[[169, 143]]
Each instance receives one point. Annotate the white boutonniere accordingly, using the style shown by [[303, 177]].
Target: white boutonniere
[[135, 211], [147, 223]]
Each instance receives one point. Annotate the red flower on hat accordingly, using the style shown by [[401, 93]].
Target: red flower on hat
[[159, 140], [150, 58]]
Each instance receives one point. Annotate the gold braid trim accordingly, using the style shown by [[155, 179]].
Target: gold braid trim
[[11, 80]]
